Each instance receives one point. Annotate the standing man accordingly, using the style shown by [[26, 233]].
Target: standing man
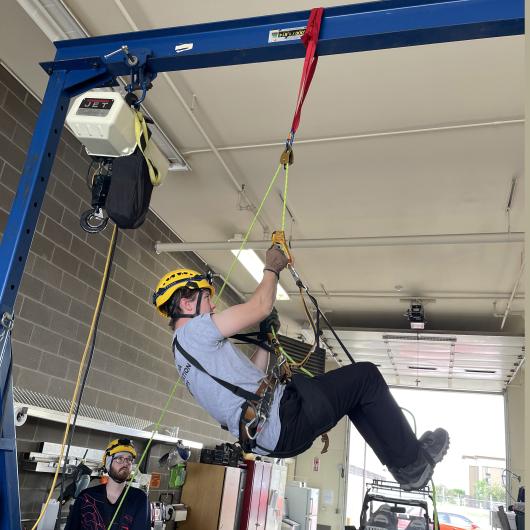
[[272, 418], [95, 507]]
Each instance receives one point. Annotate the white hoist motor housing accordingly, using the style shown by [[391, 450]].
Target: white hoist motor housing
[[104, 124]]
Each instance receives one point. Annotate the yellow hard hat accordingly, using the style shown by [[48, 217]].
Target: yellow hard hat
[[178, 279], [119, 445]]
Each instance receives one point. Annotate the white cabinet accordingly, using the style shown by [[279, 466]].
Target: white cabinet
[[302, 506]]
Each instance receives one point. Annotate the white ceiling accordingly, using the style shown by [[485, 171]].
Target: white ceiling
[[394, 178]]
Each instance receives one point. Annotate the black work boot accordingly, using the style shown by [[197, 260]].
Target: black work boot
[[433, 447]]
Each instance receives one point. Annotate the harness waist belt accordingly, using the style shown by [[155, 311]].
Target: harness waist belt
[[249, 421], [250, 414]]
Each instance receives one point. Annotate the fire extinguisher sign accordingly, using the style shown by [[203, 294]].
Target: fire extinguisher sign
[[316, 463]]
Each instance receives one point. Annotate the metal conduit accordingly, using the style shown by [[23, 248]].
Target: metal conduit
[[449, 295], [364, 136], [513, 295], [380, 241]]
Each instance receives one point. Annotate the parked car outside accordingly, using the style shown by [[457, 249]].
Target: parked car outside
[[454, 521]]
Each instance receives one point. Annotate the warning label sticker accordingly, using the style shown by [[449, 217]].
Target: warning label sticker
[[279, 35]]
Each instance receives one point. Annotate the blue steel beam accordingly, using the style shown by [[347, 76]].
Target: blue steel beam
[[359, 27]]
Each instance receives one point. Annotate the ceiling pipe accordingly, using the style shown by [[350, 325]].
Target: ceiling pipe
[[435, 295], [508, 306], [364, 136], [379, 241], [212, 148]]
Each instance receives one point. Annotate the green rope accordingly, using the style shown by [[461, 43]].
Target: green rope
[[285, 196], [155, 430], [289, 358], [245, 239], [435, 510]]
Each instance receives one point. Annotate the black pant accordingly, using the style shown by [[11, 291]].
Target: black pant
[[312, 406]]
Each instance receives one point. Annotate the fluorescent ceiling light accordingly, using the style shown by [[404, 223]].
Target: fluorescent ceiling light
[[252, 262], [176, 160], [53, 19]]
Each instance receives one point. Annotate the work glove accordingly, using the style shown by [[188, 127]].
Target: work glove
[[275, 260], [272, 322]]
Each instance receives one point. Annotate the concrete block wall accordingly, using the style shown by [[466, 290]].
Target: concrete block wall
[[132, 370]]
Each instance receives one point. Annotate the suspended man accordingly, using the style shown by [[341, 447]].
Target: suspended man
[[268, 415]]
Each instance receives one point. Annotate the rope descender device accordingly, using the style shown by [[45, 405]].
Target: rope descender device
[[278, 240]]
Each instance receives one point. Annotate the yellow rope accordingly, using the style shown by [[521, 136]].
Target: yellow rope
[[155, 430], [78, 381], [245, 239], [285, 195]]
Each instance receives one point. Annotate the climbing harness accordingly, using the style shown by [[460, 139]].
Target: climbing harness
[[256, 406]]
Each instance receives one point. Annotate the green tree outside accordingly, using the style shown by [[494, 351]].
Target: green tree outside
[[485, 491]]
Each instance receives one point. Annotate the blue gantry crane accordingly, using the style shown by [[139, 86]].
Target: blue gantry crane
[[83, 64]]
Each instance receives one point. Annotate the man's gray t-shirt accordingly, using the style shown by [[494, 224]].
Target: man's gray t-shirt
[[219, 357]]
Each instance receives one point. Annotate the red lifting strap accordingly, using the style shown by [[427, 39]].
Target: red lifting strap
[[310, 40]]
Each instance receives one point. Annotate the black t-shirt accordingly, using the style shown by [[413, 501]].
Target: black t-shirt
[[93, 511]]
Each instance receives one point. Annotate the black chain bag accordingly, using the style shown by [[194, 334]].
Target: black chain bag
[[130, 191]]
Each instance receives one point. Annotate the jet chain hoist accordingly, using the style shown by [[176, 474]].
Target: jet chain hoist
[[115, 134]]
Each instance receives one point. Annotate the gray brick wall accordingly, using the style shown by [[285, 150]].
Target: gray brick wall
[[132, 371]]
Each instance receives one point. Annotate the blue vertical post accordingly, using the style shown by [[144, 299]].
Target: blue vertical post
[[14, 250], [10, 506]]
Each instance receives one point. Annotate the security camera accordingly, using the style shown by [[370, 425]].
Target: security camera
[[416, 315]]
